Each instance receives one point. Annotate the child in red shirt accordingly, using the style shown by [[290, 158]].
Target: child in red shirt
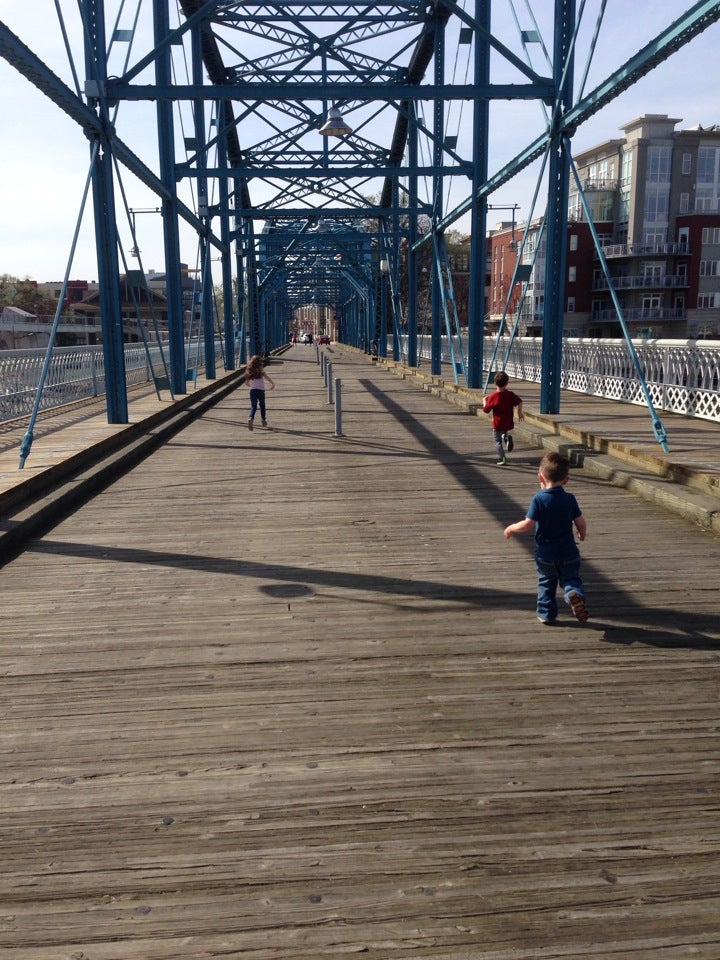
[[501, 403]]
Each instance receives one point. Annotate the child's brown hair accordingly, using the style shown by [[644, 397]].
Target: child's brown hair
[[555, 467], [254, 369], [501, 379]]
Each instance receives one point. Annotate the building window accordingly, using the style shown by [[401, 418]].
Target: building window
[[686, 163], [684, 202], [658, 165], [626, 169], [572, 274], [656, 205], [624, 206], [708, 301], [573, 241], [571, 305], [711, 235], [707, 188], [709, 268]]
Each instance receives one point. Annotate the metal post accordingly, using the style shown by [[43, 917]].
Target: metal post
[[478, 231], [412, 258], [105, 229], [438, 200], [166, 148], [224, 203], [328, 379], [338, 407], [557, 213]]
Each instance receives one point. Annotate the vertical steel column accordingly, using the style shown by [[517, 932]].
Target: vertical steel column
[[438, 196], [557, 213], [413, 275], [395, 263], [241, 292], [255, 333], [224, 205], [105, 228], [166, 147], [203, 208], [478, 215]]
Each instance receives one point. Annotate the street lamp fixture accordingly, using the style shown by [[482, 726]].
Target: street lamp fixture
[[335, 125]]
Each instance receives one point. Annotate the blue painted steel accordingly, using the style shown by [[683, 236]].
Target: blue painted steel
[[166, 146], [226, 264], [478, 220], [105, 229], [438, 198], [413, 265], [206, 301], [332, 92], [558, 184]]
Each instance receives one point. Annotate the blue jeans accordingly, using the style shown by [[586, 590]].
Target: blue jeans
[[498, 439], [550, 573], [257, 397]]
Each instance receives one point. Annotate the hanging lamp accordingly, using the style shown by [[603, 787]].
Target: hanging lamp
[[334, 125]]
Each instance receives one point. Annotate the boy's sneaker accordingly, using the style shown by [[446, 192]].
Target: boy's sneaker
[[502, 462], [250, 424], [509, 442], [264, 423], [548, 623], [578, 606]]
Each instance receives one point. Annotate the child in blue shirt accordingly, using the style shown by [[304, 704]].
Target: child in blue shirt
[[552, 514]]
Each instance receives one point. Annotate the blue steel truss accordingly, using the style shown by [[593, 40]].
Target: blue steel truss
[[297, 217]]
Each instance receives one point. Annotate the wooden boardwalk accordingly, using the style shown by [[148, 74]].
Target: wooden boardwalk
[[282, 696]]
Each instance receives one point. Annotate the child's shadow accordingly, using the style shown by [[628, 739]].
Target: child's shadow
[[656, 636]]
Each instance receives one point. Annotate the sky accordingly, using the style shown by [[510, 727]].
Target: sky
[[44, 157]]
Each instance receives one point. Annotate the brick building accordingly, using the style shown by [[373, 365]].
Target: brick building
[[654, 198]]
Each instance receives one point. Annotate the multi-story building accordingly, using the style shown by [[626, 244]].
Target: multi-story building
[[654, 199]]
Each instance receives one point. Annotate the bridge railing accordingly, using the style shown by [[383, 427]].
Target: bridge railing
[[683, 376], [75, 373]]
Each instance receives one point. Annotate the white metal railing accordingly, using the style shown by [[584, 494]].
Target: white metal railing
[[75, 373], [682, 376]]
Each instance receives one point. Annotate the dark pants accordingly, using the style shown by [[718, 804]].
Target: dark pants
[[257, 397], [498, 438], [550, 574]]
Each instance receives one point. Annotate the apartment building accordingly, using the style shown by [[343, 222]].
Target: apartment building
[[654, 198]]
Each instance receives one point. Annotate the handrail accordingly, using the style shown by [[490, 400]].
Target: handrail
[[682, 376], [75, 373]]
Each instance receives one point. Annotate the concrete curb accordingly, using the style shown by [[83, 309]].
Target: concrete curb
[[693, 496]]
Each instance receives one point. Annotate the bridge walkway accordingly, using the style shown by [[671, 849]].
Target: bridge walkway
[[281, 694]]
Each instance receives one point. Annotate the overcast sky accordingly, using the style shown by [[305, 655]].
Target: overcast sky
[[44, 156]]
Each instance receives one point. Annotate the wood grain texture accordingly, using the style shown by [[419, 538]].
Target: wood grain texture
[[282, 696]]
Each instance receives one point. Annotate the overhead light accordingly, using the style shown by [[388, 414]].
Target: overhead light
[[335, 126]]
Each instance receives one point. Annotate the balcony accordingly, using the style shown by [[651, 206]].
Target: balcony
[[641, 315], [614, 250], [638, 282]]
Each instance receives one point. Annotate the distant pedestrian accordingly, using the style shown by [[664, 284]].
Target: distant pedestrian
[[502, 403], [552, 514], [255, 379]]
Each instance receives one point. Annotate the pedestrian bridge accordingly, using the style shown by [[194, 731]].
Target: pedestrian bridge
[[282, 693]]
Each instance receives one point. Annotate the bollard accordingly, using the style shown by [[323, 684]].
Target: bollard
[[338, 407], [328, 378], [322, 365]]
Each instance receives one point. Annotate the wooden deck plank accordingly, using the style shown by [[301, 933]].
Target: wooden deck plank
[[282, 696]]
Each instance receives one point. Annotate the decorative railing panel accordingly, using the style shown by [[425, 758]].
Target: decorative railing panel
[[75, 373], [682, 376]]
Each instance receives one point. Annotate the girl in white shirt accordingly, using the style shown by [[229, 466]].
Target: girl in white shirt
[[255, 379]]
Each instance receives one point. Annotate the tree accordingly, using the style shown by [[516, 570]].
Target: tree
[[24, 295]]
